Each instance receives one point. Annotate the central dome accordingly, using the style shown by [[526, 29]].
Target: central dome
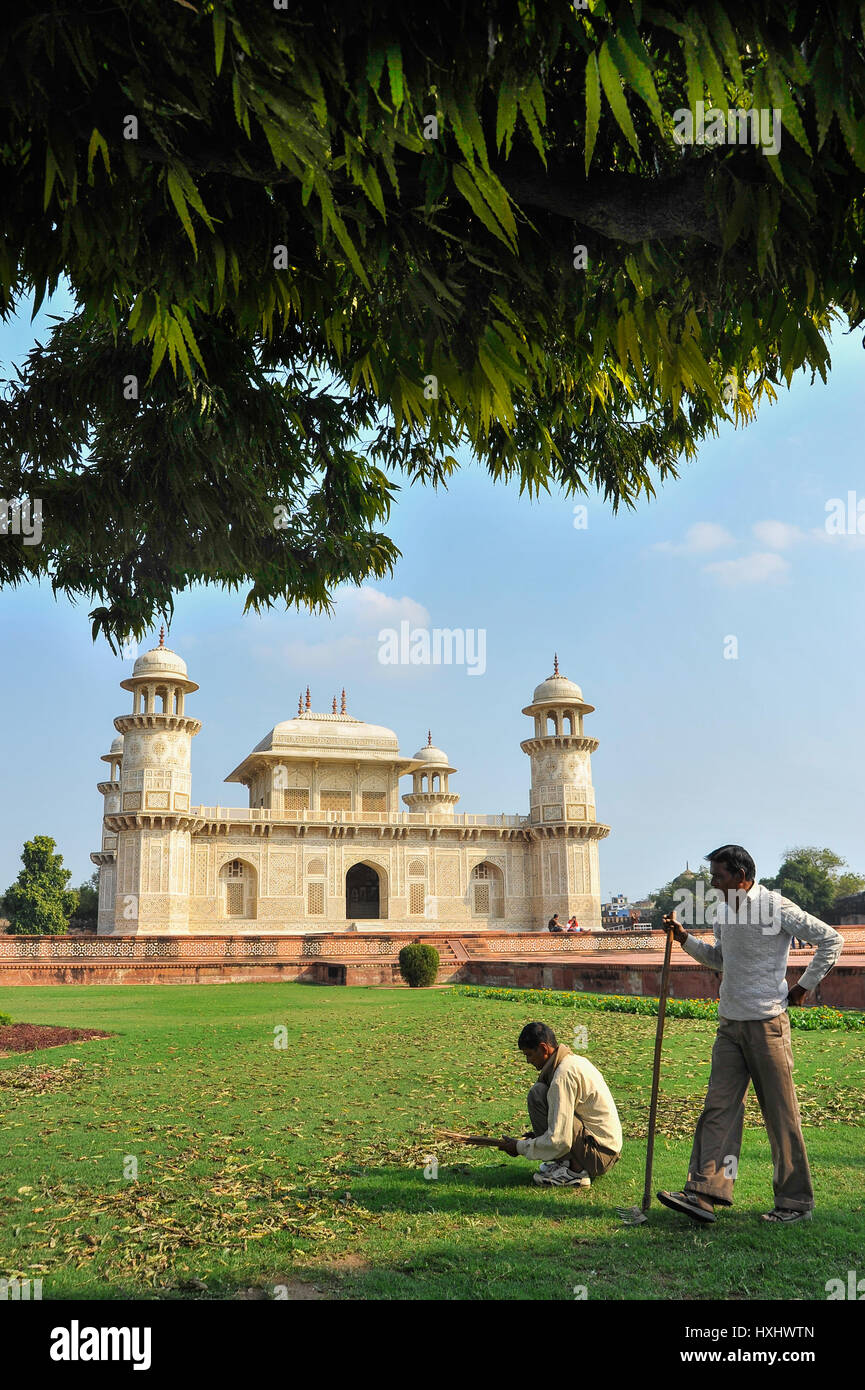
[[328, 731]]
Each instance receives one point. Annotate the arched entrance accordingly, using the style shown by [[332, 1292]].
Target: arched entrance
[[362, 892]]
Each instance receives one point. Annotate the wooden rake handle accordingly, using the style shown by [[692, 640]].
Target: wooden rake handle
[[656, 1071]]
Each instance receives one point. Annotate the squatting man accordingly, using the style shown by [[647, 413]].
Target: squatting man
[[575, 1124]]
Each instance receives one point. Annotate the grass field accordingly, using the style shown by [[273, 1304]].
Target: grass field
[[303, 1166]]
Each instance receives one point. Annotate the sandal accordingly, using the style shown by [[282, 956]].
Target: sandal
[[686, 1202], [786, 1216]]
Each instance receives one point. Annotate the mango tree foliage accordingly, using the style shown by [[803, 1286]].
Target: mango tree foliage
[[317, 248]]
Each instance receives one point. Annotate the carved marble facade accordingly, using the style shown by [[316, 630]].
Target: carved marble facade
[[324, 843]]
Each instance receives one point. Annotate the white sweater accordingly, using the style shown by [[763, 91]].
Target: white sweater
[[577, 1088], [751, 949]]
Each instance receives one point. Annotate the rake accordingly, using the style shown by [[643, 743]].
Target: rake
[[634, 1216]]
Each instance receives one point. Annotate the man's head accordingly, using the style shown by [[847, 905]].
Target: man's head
[[733, 870], [537, 1042], [555, 917]]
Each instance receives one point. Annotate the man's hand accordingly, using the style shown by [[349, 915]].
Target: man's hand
[[675, 927], [795, 994], [509, 1146]]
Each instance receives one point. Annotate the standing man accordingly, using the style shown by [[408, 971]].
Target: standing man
[[753, 928], [575, 1124]]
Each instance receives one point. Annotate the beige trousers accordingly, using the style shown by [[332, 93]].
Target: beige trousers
[[748, 1050]]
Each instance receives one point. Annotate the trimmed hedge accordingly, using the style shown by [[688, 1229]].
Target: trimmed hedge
[[809, 1020], [419, 964]]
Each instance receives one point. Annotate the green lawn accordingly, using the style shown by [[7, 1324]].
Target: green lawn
[[260, 1166]]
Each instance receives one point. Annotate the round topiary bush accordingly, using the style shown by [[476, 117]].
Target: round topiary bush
[[419, 964]]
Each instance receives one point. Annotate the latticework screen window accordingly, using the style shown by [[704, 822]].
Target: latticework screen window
[[296, 799], [336, 801], [374, 801], [416, 898], [482, 897], [234, 899], [315, 899], [416, 868], [482, 871], [235, 869]]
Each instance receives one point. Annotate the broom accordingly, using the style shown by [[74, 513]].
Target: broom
[[633, 1216]]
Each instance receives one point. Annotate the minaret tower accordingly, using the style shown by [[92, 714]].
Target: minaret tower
[[430, 789], [562, 804], [105, 858], [153, 823]]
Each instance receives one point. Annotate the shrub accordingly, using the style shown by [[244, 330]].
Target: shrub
[[4, 1019], [419, 964], [818, 1018]]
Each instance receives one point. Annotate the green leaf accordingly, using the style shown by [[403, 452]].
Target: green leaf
[[637, 74], [175, 189], [51, 170], [97, 142], [593, 106], [615, 96], [218, 36], [783, 99], [190, 337], [709, 65], [469, 189], [394, 69], [722, 32], [529, 110], [506, 117]]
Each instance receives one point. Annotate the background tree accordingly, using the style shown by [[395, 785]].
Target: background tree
[[39, 903], [665, 898], [812, 879], [86, 915], [317, 248]]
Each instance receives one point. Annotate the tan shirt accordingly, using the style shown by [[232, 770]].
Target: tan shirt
[[577, 1088]]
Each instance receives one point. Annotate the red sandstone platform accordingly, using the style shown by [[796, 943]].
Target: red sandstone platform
[[596, 962]]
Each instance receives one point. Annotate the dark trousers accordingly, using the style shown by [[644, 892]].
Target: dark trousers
[[748, 1050], [586, 1154]]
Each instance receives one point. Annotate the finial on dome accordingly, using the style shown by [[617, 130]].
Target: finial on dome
[[308, 701], [343, 710], [429, 738], [300, 703], [162, 635], [334, 705], [555, 664]]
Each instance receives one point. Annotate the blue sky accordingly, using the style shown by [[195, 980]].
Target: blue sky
[[766, 749]]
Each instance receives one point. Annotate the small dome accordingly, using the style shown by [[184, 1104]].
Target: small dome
[[556, 688], [161, 661], [116, 744], [431, 754]]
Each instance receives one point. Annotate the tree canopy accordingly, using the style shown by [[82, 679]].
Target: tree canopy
[[317, 248], [812, 878], [39, 903]]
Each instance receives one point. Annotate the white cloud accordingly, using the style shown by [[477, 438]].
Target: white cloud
[[702, 537], [369, 607], [349, 636], [760, 568], [777, 535]]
